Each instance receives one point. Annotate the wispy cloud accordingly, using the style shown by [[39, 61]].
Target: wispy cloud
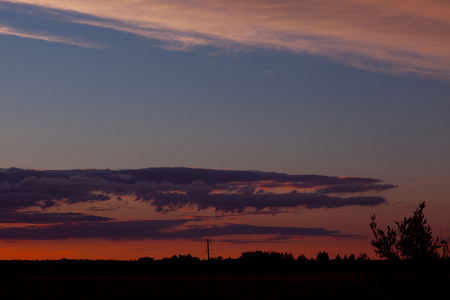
[[354, 188], [129, 230], [48, 218], [156, 229], [395, 37], [7, 30]]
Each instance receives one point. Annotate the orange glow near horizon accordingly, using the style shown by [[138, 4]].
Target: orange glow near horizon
[[258, 125], [267, 186], [98, 249]]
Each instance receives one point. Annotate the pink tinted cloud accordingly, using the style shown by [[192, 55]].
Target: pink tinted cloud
[[7, 30], [404, 36]]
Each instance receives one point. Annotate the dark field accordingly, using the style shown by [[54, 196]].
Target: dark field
[[256, 286], [233, 280]]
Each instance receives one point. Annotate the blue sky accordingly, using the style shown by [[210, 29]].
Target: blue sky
[[154, 84], [139, 104]]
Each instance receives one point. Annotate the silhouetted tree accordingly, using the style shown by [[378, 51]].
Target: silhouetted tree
[[412, 240], [265, 256], [363, 256], [146, 259], [322, 256], [384, 243], [302, 257]]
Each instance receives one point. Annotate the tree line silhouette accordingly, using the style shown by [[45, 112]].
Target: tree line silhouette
[[252, 262], [411, 243], [249, 262], [412, 265]]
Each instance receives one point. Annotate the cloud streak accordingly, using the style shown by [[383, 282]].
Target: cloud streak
[[7, 30], [34, 204], [49, 218], [169, 189], [156, 230], [402, 37]]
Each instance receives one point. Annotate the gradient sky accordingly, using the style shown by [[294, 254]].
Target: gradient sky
[[146, 117]]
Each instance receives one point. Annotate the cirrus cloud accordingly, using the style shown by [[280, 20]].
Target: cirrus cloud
[[394, 37]]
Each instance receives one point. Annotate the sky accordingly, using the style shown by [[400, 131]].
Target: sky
[[133, 128]]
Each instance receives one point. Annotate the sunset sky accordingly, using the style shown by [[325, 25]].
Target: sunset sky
[[133, 128]]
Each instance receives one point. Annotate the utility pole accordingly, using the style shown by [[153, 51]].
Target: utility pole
[[208, 262], [207, 247]]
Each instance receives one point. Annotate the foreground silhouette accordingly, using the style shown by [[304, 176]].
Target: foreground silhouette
[[413, 269], [412, 240], [254, 275]]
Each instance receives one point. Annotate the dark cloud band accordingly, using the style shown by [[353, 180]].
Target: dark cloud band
[[172, 188], [156, 230]]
